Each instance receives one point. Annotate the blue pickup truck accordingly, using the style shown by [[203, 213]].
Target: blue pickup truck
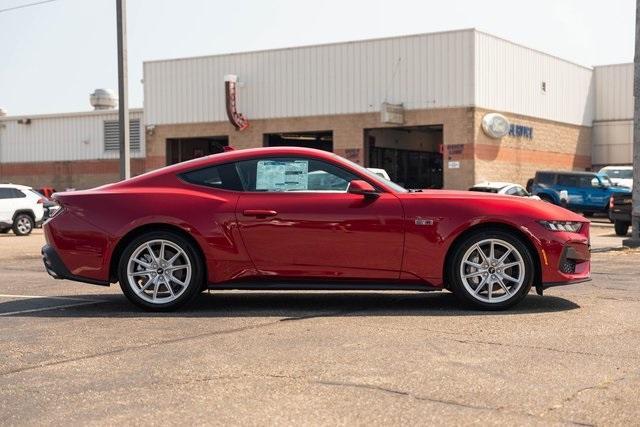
[[586, 192]]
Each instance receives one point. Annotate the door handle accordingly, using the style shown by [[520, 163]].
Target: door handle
[[259, 213]]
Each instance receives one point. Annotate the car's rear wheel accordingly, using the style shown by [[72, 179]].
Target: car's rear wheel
[[23, 225], [621, 227], [160, 271], [491, 269]]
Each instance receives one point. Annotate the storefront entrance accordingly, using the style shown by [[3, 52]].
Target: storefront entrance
[[411, 155]]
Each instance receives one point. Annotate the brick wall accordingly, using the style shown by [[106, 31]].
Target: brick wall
[[80, 174], [554, 146], [480, 158], [348, 134]]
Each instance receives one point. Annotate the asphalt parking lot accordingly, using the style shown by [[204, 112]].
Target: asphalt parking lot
[[80, 354]]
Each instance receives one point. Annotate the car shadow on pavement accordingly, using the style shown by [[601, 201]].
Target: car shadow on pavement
[[294, 305]]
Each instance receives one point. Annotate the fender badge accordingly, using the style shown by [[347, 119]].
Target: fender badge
[[423, 221]]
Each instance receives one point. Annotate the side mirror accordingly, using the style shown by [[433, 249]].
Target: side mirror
[[363, 188]]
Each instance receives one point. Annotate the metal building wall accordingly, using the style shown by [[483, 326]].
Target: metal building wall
[[60, 137], [613, 121], [421, 71], [508, 77], [614, 92]]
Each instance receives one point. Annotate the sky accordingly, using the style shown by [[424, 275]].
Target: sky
[[52, 56]]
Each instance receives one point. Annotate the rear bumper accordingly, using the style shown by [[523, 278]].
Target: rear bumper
[[56, 268]]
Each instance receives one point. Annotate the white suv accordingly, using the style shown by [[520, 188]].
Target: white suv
[[21, 208]]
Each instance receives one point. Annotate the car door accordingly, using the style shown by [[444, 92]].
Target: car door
[[6, 205], [597, 194], [571, 184], [297, 220]]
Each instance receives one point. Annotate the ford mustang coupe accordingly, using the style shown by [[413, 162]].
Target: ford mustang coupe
[[296, 218]]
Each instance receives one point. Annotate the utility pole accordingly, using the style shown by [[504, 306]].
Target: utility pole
[[634, 241], [123, 90]]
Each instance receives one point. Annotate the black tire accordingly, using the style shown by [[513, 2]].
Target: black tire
[[23, 224], [455, 281], [588, 214], [193, 286], [621, 227]]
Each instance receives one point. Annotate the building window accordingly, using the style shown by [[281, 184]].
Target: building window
[[111, 131], [543, 87]]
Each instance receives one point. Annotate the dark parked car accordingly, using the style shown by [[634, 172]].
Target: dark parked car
[[620, 212], [586, 192]]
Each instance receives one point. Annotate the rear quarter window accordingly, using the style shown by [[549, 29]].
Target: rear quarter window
[[545, 178], [224, 177]]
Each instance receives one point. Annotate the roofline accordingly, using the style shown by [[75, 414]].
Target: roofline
[[618, 64], [534, 50], [71, 114], [280, 49]]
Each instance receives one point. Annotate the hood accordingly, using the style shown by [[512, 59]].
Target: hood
[[479, 204], [624, 185]]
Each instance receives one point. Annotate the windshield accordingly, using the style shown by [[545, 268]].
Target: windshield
[[605, 181], [364, 171], [619, 173]]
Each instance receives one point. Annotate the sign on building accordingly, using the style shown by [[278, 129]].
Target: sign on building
[[392, 113]]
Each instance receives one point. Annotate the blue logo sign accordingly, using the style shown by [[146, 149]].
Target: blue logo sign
[[520, 131]]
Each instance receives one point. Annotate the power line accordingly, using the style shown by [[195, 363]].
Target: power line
[[22, 6]]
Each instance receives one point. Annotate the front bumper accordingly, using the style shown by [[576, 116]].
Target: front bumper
[[56, 268]]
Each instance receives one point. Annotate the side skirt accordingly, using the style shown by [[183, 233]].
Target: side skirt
[[323, 286]]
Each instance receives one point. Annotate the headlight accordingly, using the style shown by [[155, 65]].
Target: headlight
[[570, 226]]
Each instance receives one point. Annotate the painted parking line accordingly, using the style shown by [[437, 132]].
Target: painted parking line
[[23, 304]]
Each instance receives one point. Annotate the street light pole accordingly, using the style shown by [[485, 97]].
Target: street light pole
[[123, 101]]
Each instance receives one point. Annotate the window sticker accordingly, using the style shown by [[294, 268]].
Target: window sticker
[[275, 175]]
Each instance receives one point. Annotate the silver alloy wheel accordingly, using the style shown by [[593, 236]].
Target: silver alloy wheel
[[23, 225], [159, 271], [492, 270]]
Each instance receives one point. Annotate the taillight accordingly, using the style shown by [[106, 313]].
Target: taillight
[[40, 201], [611, 202]]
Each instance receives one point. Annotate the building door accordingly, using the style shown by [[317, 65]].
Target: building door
[[410, 155], [183, 149]]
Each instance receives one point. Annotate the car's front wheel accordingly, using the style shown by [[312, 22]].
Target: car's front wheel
[[491, 269], [23, 225], [160, 271]]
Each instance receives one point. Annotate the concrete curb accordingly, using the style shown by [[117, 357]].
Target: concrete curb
[[609, 249]]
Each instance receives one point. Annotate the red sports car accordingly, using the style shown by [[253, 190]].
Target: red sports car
[[295, 218]]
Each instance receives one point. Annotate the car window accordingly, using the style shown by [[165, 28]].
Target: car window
[[220, 176], [6, 193], [512, 191], [519, 191], [587, 181], [619, 173], [484, 189], [18, 194], [291, 174], [545, 178], [568, 181]]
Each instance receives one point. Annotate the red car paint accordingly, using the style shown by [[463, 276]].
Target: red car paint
[[396, 236]]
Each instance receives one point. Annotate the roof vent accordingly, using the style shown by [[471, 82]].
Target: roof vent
[[103, 99]]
